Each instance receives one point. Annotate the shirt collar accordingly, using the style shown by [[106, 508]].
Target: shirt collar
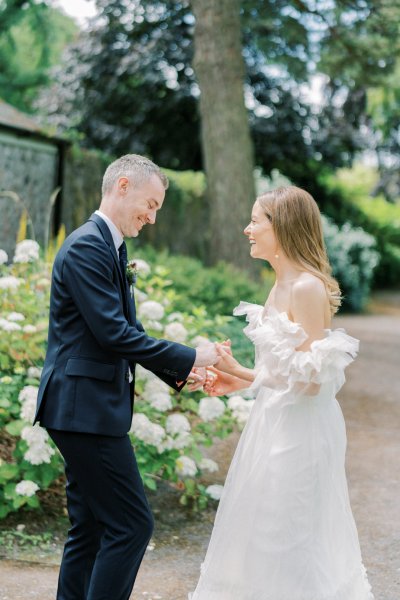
[[116, 234]]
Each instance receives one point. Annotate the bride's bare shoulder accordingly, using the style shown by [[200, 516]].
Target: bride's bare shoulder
[[309, 287]]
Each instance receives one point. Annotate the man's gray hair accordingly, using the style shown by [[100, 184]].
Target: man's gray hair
[[136, 168]]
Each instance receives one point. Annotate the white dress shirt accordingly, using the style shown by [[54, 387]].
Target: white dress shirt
[[115, 232]]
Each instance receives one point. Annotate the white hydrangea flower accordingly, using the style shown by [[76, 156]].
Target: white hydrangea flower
[[39, 451], [177, 424], [166, 444], [240, 408], [199, 340], [28, 410], [151, 310], [3, 257], [9, 325], [140, 296], [9, 282], [143, 374], [28, 398], [26, 251], [176, 332], [28, 392], [155, 325], [145, 430], [235, 402], [155, 386], [15, 316], [142, 266], [211, 408], [26, 488], [215, 491], [175, 316], [182, 440], [161, 402], [185, 467], [29, 329], [207, 464], [34, 372]]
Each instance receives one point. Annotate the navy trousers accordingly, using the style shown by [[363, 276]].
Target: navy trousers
[[111, 521]]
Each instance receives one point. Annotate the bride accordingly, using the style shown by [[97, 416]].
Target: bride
[[284, 529]]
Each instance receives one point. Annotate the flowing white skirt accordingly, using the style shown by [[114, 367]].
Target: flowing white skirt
[[284, 528]]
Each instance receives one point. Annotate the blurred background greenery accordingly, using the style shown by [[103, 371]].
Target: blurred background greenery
[[306, 92]]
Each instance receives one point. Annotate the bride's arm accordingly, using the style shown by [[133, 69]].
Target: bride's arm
[[219, 383], [228, 364], [308, 309]]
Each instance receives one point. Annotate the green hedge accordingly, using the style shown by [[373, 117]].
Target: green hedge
[[219, 288], [345, 197]]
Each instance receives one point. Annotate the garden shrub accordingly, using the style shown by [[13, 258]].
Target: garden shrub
[[353, 256], [169, 431]]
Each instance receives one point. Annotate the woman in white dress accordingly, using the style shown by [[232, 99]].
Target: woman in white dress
[[284, 528]]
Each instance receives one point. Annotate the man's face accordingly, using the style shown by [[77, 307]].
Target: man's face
[[139, 204]]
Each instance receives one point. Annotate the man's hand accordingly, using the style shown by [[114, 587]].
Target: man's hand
[[196, 379], [206, 355]]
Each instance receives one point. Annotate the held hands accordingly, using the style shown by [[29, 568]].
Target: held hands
[[226, 362], [215, 382], [197, 379], [219, 383]]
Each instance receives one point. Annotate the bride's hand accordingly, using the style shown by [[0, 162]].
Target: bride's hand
[[219, 383], [226, 362]]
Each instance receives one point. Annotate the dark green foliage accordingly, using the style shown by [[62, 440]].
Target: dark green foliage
[[219, 288], [334, 202], [129, 84]]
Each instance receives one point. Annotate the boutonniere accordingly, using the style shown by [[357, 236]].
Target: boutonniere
[[131, 272]]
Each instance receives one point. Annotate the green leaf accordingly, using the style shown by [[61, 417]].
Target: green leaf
[[150, 483], [8, 471], [33, 501], [4, 510], [15, 427]]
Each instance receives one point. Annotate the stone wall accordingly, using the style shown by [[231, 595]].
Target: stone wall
[[29, 169]]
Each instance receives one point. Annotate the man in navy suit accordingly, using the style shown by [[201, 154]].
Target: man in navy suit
[[86, 393]]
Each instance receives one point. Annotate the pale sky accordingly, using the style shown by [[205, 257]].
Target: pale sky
[[79, 9]]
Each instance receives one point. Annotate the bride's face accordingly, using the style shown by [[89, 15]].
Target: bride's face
[[261, 235]]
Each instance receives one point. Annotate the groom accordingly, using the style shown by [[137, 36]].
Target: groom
[[86, 393]]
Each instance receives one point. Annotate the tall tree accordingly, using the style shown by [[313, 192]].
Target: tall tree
[[227, 147]]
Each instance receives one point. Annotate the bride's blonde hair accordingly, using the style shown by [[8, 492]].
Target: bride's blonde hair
[[297, 224]]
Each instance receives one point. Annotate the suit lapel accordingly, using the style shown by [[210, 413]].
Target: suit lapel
[[106, 233]]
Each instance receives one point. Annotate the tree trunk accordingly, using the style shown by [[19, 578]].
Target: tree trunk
[[227, 147]]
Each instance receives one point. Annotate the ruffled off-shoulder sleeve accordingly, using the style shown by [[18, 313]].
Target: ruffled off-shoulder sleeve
[[325, 361], [279, 365]]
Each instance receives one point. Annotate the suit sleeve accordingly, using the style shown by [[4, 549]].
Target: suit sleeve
[[171, 381], [88, 277]]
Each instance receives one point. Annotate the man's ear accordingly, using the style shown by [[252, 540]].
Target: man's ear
[[122, 185]]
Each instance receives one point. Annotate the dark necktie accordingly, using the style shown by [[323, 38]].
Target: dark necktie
[[123, 259]]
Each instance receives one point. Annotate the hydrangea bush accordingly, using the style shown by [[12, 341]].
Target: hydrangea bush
[[170, 431], [353, 256]]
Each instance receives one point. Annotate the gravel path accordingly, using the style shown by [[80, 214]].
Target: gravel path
[[371, 405]]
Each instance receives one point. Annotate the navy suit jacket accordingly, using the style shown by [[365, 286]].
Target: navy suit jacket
[[94, 337]]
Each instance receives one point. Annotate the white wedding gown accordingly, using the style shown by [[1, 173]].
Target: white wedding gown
[[284, 529]]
